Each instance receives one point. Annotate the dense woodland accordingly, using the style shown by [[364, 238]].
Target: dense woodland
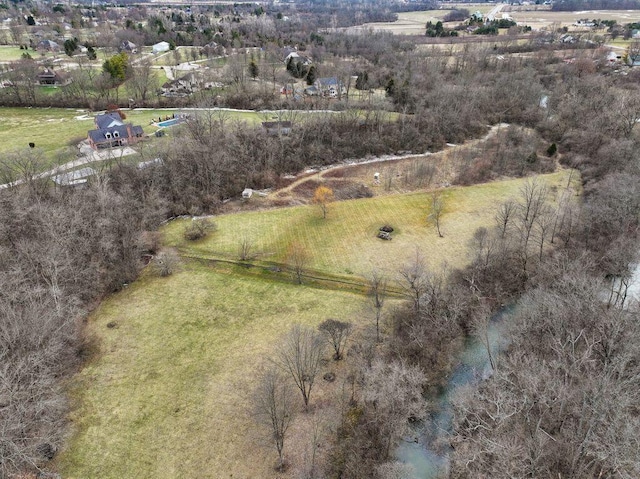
[[562, 401]]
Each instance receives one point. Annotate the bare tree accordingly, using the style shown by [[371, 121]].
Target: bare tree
[[298, 257], [337, 333], [142, 80], [299, 355], [245, 249], [415, 280], [393, 394], [437, 210], [504, 216], [274, 409], [378, 294]]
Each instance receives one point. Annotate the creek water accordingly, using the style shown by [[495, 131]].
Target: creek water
[[427, 449]]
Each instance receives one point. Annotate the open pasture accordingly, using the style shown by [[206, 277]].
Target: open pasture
[[345, 243], [177, 358], [543, 19]]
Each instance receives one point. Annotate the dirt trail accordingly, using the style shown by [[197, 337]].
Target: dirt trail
[[320, 173]]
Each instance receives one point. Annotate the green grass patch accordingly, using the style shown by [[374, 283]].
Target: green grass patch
[[167, 394], [345, 242]]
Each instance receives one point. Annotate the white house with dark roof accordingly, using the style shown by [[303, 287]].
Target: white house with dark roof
[[331, 87], [112, 131]]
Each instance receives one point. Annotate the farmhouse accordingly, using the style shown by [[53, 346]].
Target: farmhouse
[[112, 131], [331, 87]]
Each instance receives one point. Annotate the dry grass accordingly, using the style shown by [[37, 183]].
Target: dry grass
[[543, 18], [168, 394], [345, 242]]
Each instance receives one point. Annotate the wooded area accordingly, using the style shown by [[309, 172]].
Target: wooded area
[[562, 398]]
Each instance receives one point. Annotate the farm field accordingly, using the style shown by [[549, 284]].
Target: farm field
[[413, 23], [538, 19], [167, 394]]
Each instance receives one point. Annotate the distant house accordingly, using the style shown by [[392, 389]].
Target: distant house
[[331, 87], [74, 178], [112, 131], [295, 56], [277, 127], [51, 77], [48, 46], [161, 47], [183, 86], [311, 91], [128, 47]]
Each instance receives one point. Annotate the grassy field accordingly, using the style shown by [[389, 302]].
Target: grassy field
[[345, 242], [538, 19], [167, 394], [54, 130]]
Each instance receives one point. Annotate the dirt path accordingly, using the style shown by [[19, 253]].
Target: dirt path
[[317, 174]]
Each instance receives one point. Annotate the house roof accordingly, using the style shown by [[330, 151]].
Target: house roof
[[49, 44], [108, 120], [99, 135], [331, 81]]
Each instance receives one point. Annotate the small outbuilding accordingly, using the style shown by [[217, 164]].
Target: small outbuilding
[[161, 47]]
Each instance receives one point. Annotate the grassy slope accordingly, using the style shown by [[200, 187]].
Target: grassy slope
[[167, 395], [345, 242]]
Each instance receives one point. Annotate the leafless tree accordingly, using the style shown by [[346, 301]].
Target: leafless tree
[[393, 395], [274, 409], [299, 356], [504, 216], [415, 280], [337, 333], [298, 257], [437, 210], [245, 249], [142, 79], [378, 295]]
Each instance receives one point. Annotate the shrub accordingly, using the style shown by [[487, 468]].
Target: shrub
[[198, 229]]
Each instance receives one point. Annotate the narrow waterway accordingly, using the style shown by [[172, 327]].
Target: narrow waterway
[[427, 450]]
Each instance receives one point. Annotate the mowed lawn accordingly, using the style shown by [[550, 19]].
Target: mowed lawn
[[54, 129], [345, 242], [167, 395]]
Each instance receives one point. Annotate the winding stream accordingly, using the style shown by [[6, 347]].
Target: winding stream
[[427, 450]]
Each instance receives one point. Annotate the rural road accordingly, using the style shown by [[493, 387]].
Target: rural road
[[491, 16]]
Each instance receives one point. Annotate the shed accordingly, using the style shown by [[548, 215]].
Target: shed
[[161, 47]]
